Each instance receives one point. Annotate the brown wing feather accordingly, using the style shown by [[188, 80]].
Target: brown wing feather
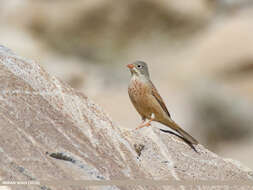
[[159, 98]]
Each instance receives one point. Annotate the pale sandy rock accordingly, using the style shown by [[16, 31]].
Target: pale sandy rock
[[225, 50], [42, 116], [101, 30], [220, 73]]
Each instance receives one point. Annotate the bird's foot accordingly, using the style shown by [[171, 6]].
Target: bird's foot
[[144, 125]]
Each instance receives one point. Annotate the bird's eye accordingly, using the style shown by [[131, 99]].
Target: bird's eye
[[139, 66]]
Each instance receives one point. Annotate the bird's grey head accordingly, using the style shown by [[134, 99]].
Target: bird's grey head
[[139, 68]]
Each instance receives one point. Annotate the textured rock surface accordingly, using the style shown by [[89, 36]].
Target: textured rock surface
[[40, 115]]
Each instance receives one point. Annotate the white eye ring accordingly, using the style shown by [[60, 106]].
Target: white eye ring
[[139, 66]]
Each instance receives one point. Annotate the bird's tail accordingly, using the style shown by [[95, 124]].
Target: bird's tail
[[183, 133]]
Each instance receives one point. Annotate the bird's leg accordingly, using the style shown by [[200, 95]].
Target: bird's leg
[[151, 119], [143, 124]]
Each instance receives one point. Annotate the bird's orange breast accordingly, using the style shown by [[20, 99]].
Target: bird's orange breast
[[138, 92], [138, 89]]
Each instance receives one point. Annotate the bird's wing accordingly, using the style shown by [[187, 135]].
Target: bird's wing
[[159, 98]]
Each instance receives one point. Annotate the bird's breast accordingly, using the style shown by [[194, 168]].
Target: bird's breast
[[139, 93], [138, 89]]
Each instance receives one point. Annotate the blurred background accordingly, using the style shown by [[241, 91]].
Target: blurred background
[[200, 54]]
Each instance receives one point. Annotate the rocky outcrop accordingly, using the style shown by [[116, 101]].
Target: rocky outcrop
[[49, 131], [102, 30]]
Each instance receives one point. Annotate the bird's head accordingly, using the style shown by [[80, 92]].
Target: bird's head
[[139, 68]]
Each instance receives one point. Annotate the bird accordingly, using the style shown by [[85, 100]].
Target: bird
[[148, 102]]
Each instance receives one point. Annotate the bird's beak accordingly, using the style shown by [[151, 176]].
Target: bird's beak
[[130, 66]]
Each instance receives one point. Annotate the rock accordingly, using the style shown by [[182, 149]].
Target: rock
[[50, 131], [220, 116], [103, 30], [220, 75]]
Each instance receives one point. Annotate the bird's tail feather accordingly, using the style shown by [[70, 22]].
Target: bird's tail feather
[[182, 132], [187, 136]]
